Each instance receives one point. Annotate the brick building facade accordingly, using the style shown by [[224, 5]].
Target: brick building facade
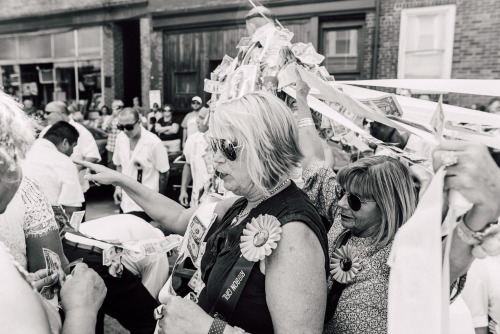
[[171, 46]]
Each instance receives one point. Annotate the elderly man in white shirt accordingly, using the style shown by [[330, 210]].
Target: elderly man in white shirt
[[141, 155], [86, 148], [48, 163]]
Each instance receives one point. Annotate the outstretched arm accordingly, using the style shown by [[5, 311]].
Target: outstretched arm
[[167, 212], [309, 141]]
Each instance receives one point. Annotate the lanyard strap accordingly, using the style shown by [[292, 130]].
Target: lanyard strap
[[231, 290]]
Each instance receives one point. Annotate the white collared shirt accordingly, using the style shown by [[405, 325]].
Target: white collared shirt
[[86, 148], [55, 173], [194, 151], [150, 153]]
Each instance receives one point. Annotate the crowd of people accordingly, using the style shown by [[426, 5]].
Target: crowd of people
[[271, 251]]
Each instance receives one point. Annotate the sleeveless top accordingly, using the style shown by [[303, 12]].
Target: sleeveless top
[[222, 251]]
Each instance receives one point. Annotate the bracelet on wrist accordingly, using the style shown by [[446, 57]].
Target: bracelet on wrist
[[217, 326], [305, 122], [475, 237]]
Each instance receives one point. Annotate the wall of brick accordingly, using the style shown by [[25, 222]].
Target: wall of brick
[[368, 45], [118, 62], [145, 46], [108, 62], [476, 43]]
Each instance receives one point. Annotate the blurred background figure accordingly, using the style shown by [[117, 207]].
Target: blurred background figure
[[189, 122], [110, 126], [195, 168], [168, 130], [494, 106]]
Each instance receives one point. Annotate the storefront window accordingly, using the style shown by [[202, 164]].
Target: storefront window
[[64, 66], [64, 44], [89, 83], [10, 80], [35, 47], [65, 88], [7, 48], [89, 42]]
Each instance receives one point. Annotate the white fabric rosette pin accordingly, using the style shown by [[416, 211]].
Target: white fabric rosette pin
[[260, 237], [345, 264]]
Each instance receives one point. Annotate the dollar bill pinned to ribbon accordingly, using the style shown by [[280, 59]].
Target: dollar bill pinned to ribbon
[[76, 220]]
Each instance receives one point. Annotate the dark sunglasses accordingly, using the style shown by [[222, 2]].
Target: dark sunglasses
[[227, 148], [353, 200], [46, 112], [195, 102], [128, 127]]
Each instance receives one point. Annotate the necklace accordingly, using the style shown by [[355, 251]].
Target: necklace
[[244, 213]]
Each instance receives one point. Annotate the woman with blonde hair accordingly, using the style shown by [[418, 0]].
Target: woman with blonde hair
[[257, 265]]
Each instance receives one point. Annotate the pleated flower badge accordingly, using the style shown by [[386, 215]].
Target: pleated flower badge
[[345, 264], [259, 237]]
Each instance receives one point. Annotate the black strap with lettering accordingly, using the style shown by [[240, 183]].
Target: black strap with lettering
[[231, 290], [139, 175]]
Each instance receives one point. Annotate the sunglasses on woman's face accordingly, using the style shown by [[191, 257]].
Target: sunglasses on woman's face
[[353, 200], [128, 127], [227, 148]]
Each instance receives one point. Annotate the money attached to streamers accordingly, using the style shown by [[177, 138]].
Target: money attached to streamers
[[307, 54], [388, 104], [116, 267], [134, 256], [76, 220], [150, 248], [437, 121], [214, 87], [138, 250], [109, 254]]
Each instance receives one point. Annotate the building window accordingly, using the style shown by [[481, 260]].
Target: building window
[[64, 44], [426, 42], [63, 65], [185, 83], [88, 44], [342, 45], [8, 48], [37, 46]]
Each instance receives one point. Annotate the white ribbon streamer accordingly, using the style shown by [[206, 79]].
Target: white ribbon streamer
[[443, 86]]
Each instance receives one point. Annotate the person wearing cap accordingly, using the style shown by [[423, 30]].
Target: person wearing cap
[[189, 122]]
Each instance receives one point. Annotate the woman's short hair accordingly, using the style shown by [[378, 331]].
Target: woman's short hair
[[266, 129], [16, 134], [386, 181], [169, 106]]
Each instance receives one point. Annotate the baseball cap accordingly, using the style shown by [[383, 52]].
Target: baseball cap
[[197, 99]]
